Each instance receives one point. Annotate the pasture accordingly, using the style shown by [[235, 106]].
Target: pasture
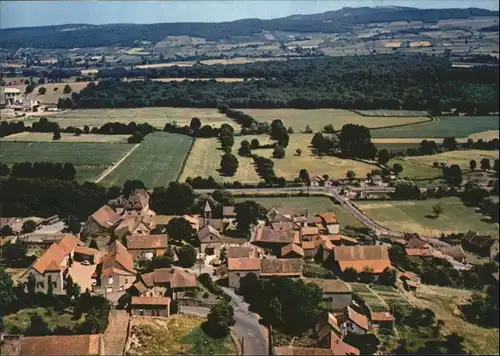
[[157, 117], [448, 126], [318, 118], [418, 217], [204, 160], [416, 170], [157, 161], [462, 158], [315, 205], [394, 113], [51, 96], [65, 137]]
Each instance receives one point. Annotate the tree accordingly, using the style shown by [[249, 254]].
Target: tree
[[72, 224], [176, 199], [195, 124], [387, 277], [485, 164], [407, 190], [254, 144], [329, 129], [383, 157], [86, 129], [6, 230], [50, 286], [31, 285], [4, 170], [279, 152], [245, 149], [187, 256], [308, 129], [355, 141], [130, 186], [28, 226], [42, 90], [69, 286], [219, 320], [38, 327], [450, 143], [453, 175], [298, 151], [350, 275], [304, 176], [56, 135], [179, 229], [437, 209], [7, 295], [29, 88], [350, 175], [251, 289], [229, 164], [397, 168], [367, 276], [247, 214], [93, 244], [472, 165], [67, 89]]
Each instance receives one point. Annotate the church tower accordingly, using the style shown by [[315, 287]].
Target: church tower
[[207, 214]]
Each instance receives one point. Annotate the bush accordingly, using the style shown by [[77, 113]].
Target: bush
[[208, 283]]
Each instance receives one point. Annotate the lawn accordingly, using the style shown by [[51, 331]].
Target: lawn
[[157, 161], [90, 159], [450, 126], [315, 205], [318, 118], [65, 137], [157, 116], [179, 334], [204, 160], [417, 216], [21, 320]]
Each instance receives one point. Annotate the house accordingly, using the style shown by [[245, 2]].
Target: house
[[456, 252], [274, 267], [292, 251], [164, 282], [8, 96], [330, 222], [273, 215], [485, 246], [161, 222], [102, 221], [208, 235], [326, 248], [336, 291], [416, 242], [330, 335], [145, 247], [382, 319], [419, 252], [274, 240], [228, 213], [53, 345], [240, 267], [133, 224], [375, 257], [52, 266], [83, 253], [339, 347], [310, 248], [150, 306], [285, 226], [242, 252], [308, 233], [342, 240], [353, 322], [410, 280], [138, 201], [115, 272]]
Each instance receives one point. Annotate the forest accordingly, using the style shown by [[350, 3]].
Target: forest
[[410, 82], [129, 34]]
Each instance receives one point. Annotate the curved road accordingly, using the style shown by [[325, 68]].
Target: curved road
[[247, 324]]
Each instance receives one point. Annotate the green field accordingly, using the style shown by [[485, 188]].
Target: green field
[[417, 216], [457, 126], [379, 297], [315, 205], [157, 161], [90, 159]]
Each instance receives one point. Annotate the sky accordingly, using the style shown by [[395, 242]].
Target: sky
[[41, 13]]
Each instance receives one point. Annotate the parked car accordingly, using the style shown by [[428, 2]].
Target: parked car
[[85, 263]]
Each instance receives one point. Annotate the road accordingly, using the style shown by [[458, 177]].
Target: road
[[114, 166], [247, 324]]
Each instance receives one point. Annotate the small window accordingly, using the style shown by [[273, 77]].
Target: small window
[[110, 280]]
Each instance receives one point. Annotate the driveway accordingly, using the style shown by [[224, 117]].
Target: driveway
[[247, 324], [82, 275]]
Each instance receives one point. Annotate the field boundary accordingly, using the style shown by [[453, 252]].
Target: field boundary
[[184, 162], [113, 167], [429, 119], [417, 113]]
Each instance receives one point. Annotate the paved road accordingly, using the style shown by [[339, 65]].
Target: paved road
[[247, 324]]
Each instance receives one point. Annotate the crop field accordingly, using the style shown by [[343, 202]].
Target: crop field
[[462, 158], [208, 62], [486, 135], [418, 217], [318, 118], [394, 113], [369, 297], [51, 96], [157, 117], [157, 161], [450, 126], [65, 137], [205, 158], [315, 205], [379, 297]]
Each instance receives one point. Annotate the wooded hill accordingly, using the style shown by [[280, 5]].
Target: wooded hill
[[85, 35]]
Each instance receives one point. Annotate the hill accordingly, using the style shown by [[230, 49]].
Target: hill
[[84, 35]]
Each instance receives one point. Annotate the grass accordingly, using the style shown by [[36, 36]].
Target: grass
[[415, 216], [204, 160], [462, 158], [51, 96], [179, 334], [65, 137], [315, 205], [396, 113], [397, 146], [456, 126], [157, 117], [90, 159], [157, 161], [318, 118], [414, 170], [21, 320]]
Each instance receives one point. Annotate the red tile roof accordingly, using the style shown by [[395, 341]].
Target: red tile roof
[[119, 258], [308, 245], [86, 250], [68, 243], [143, 242], [53, 256], [420, 252], [150, 301], [240, 252], [281, 267], [329, 217], [60, 345], [106, 217], [265, 234], [176, 277], [375, 257], [309, 231], [339, 347], [285, 250], [243, 264], [329, 286], [357, 318], [381, 316], [415, 242]]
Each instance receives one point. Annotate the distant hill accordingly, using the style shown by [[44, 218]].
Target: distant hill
[[83, 35]]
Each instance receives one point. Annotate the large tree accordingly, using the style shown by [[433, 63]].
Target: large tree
[[383, 157], [247, 214], [485, 164], [179, 230], [176, 199], [187, 256], [7, 295], [229, 164], [453, 175], [355, 141], [220, 319]]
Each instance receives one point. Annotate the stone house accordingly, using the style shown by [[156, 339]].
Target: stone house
[[134, 224], [485, 246], [353, 322], [284, 267], [150, 306], [115, 272], [164, 282], [103, 221], [292, 251], [273, 240], [330, 222], [145, 247], [382, 319], [336, 291]]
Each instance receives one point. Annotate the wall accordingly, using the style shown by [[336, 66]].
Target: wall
[[334, 229]]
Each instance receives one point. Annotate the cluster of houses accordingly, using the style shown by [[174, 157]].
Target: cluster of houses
[[12, 98]]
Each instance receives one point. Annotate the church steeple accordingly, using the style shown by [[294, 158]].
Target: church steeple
[[207, 214]]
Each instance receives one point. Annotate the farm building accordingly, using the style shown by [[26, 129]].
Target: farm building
[[382, 319], [331, 222], [240, 267], [375, 257], [150, 306], [336, 291], [410, 280], [485, 246], [274, 267], [115, 272], [102, 221], [145, 247], [164, 281]]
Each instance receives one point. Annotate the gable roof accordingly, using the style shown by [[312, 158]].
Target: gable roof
[[148, 279], [68, 243], [309, 245], [381, 316], [329, 286], [416, 242], [208, 230], [481, 241], [118, 258], [287, 249], [142, 242], [228, 211], [357, 318], [339, 347], [60, 345], [284, 225], [106, 217], [129, 223], [162, 219], [163, 301], [50, 259], [243, 264], [358, 257], [177, 277], [240, 252], [264, 234], [329, 217], [281, 267], [309, 231], [457, 252], [419, 252], [314, 220]]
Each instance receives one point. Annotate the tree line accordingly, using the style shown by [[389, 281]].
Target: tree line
[[46, 170]]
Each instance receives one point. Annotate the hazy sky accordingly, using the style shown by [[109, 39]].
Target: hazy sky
[[40, 13]]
